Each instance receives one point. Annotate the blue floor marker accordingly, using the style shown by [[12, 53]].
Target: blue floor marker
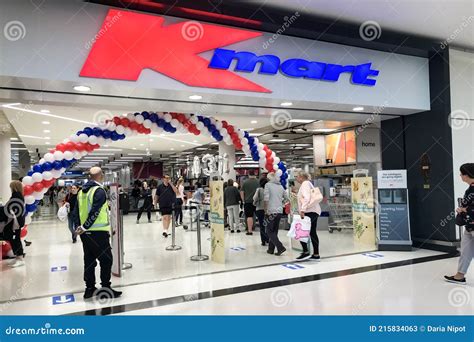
[[59, 269], [238, 249], [69, 298], [373, 255], [293, 266]]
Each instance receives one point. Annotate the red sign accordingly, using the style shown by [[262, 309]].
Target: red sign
[[129, 42]]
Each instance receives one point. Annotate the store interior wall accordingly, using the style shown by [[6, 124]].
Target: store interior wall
[[461, 72], [427, 132]]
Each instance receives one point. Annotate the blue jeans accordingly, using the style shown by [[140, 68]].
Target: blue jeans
[[71, 226]]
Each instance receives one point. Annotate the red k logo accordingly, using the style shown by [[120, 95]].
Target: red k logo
[[133, 42]]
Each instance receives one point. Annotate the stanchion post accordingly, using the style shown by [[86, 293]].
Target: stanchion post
[[173, 246]]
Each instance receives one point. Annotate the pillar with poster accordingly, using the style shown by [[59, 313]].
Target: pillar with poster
[[363, 209], [116, 230], [217, 221]]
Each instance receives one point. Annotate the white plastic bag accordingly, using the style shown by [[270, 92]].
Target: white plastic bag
[[62, 213], [300, 228]]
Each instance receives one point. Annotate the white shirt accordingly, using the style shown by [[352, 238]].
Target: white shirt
[[304, 196]]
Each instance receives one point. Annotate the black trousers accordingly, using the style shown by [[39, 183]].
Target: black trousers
[[313, 234], [96, 246], [272, 223], [178, 209], [147, 204], [14, 238], [261, 221]]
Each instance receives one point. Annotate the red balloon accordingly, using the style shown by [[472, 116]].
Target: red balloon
[[45, 183], [134, 125], [117, 120], [125, 122], [61, 147], [6, 248], [230, 129], [268, 153], [27, 190], [89, 147], [224, 124], [37, 186], [70, 146], [147, 131], [80, 147], [24, 231], [265, 147]]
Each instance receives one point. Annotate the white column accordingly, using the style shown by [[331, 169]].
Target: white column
[[230, 150], [5, 167]]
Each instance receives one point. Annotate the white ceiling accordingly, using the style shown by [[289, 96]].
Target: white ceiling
[[438, 19]]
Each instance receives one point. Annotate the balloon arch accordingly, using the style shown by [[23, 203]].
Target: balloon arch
[[44, 174]]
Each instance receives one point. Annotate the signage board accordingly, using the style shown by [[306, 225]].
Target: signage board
[[217, 221], [392, 179]]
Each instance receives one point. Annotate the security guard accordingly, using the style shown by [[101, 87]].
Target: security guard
[[91, 212]]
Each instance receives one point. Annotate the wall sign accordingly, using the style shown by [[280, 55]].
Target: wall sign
[[392, 179], [152, 51]]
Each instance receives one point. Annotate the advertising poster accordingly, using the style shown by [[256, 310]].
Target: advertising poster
[[217, 221], [363, 210], [341, 147], [115, 233]]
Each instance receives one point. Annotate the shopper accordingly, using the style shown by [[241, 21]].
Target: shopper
[[92, 213], [179, 202], [61, 197], [71, 202], [147, 200], [166, 197], [465, 218], [136, 195], [275, 198], [12, 215], [308, 207], [232, 201], [258, 202], [249, 188]]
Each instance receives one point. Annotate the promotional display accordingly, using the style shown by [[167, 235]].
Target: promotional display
[[116, 230], [217, 221], [394, 212], [363, 210]]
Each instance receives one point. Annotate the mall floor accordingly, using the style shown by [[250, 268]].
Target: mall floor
[[251, 281]]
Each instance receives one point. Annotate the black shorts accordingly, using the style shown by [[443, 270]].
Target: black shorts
[[166, 211], [249, 209]]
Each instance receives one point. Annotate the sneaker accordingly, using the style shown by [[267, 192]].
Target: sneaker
[[238, 230], [264, 244], [249, 233], [165, 234], [138, 222], [90, 292], [74, 241], [270, 252], [281, 252], [149, 221], [303, 257], [17, 263], [451, 279], [316, 258], [232, 231], [27, 243], [107, 293]]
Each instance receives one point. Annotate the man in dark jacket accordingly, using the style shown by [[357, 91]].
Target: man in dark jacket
[[91, 212]]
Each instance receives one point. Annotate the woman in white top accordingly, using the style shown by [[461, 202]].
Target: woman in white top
[[312, 211], [179, 202]]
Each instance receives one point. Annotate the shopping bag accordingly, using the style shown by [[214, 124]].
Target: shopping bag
[[62, 213], [300, 228]]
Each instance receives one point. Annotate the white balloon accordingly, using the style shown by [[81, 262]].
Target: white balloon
[[30, 199], [120, 129], [58, 155], [139, 118], [92, 140], [83, 138], [68, 155], [275, 167], [47, 175], [262, 154], [100, 141], [74, 138], [262, 162], [111, 126], [147, 123], [127, 131], [240, 133], [103, 125], [276, 160], [278, 172], [61, 182], [131, 117], [28, 220], [260, 146], [194, 119], [49, 157], [37, 177], [167, 117], [41, 161], [174, 123], [84, 153], [65, 141], [56, 173], [27, 180], [200, 126], [77, 155], [219, 125], [160, 115]]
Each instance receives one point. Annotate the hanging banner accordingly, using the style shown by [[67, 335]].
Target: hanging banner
[[217, 221], [115, 230], [363, 210]]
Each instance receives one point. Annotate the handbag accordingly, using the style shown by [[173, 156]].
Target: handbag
[[315, 196], [62, 213], [300, 228], [141, 203]]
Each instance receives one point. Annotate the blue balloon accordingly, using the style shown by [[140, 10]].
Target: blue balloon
[[30, 207], [246, 134], [88, 131], [161, 123], [206, 121], [37, 168], [146, 115], [254, 148], [97, 131], [136, 114], [57, 165], [79, 133], [47, 166], [153, 117], [106, 134], [122, 136], [114, 136], [173, 130], [30, 173], [200, 118], [212, 128], [255, 157], [66, 163], [251, 140]]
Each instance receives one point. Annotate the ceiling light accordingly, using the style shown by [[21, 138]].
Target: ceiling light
[[44, 111], [46, 131], [358, 109], [172, 149], [278, 140], [151, 140], [142, 144], [286, 104], [47, 138], [45, 122], [137, 154], [81, 88], [134, 148], [300, 121], [47, 142], [201, 148], [12, 106], [255, 134], [14, 139], [182, 145], [195, 97], [253, 121], [194, 141], [323, 130]]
